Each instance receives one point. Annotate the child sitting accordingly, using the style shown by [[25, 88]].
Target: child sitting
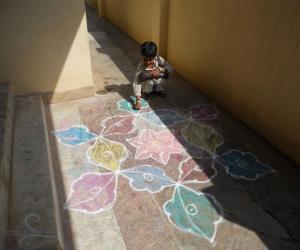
[[151, 74]]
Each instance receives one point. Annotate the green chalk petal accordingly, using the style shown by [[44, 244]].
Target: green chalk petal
[[193, 212], [202, 136]]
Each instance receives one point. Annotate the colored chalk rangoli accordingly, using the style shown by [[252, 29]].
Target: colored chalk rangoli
[[156, 145], [107, 154], [202, 136], [118, 125], [92, 193], [127, 105], [194, 212], [188, 210], [204, 112], [74, 135], [243, 165], [150, 178], [193, 172], [162, 118]]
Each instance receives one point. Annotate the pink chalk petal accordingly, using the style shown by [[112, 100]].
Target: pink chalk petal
[[118, 125], [191, 171], [156, 145], [204, 112], [165, 137], [92, 193], [148, 135], [176, 146], [142, 154]]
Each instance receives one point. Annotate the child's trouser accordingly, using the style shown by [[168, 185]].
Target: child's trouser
[[148, 86]]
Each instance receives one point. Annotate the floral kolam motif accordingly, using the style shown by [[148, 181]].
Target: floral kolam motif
[[74, 136], [243, 165], [194, 212], [188, 210], [107, 154], [150, 178], [202, 136], [118, 125], [156, 145], [92, 193]]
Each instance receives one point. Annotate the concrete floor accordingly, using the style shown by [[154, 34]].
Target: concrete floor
[[180, 174]]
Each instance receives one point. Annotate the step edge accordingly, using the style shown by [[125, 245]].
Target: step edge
[[58, 220]]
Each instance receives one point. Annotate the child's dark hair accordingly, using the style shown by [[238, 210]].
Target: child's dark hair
[[148, 49]]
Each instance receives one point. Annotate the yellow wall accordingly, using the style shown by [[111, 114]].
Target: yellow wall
[[44, 45], [246, 55], [132, 16]]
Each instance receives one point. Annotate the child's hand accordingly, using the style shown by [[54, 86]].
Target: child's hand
[[155, 73]]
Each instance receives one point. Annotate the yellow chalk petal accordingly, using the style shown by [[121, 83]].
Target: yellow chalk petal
[[108, 154]]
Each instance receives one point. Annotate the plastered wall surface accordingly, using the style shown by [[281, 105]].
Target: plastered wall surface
[[246, 55], [134, 17], [44, 45]]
